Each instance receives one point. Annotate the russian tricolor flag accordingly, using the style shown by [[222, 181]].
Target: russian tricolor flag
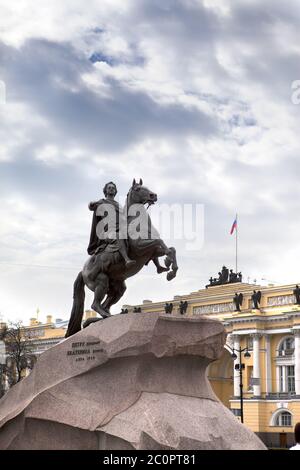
[[234, 226]]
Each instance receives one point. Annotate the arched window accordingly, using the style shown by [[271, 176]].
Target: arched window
[[286, 347], [283, 419]]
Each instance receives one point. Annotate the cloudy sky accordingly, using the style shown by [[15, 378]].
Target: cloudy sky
[[193, 96]]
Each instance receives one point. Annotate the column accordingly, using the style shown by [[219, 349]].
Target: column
[[256, 366], [6, 383], [268, 365], [236, 374], [297, 362], [277, 379], [284, 379]]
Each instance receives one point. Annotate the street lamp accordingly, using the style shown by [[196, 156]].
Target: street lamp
[[240, 367], [2, 366]]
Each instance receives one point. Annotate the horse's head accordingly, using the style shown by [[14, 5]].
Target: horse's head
[[139, 194]]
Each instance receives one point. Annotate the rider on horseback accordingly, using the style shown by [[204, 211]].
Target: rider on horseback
[[106, 271], [98, 244]]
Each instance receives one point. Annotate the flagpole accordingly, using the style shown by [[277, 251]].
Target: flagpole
[[236, 245]]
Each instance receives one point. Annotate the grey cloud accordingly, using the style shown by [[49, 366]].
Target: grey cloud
[[193, 35], [84, 117], [38, 181], [43, 74]]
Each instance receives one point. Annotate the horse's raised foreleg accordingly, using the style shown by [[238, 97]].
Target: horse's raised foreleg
[[160, 269], [100, 292], [171, 260]]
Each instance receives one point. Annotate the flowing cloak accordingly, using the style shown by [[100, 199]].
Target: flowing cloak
[[97, 243]]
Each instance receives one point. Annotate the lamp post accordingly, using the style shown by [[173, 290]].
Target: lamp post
[[2, 366], [240, 367]]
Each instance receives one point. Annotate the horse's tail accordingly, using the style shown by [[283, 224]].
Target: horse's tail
[[78, 307]]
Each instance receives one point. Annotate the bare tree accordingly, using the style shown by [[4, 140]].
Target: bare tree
[[18, 351]]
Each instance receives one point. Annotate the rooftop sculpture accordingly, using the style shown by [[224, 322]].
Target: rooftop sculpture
[[225, 277]]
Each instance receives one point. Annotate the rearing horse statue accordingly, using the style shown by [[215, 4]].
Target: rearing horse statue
[[112, 271]]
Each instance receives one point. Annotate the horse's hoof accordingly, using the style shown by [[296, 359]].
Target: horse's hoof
[[104, 313], [101, 311], [89, 321], [171, 275]]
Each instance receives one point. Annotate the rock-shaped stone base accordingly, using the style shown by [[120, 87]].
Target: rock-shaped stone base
[[133, 381]]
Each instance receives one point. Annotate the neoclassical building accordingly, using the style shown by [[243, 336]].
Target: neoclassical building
[[42, 336], [269, 336]]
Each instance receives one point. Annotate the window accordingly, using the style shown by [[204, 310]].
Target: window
[[291, 378], [287, 347], [281, 417], [250, 343], [249, 378], [284, 419], [281, 379], [287, 379]]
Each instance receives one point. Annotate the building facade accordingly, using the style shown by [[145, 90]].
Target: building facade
[[40, 336], [270, 335]]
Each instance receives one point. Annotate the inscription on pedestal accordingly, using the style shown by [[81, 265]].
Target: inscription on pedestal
[[85, 351]]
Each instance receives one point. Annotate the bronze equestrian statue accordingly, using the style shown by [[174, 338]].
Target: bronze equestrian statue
[[113, 259]]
